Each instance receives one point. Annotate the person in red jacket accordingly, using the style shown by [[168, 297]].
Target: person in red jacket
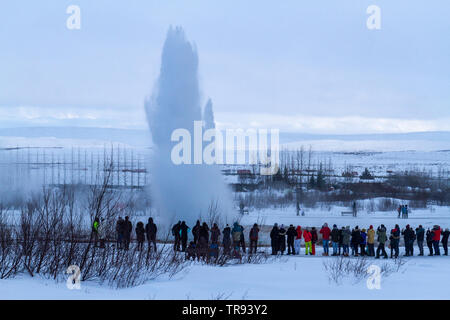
[[325, 231], [298, 239], [436, 240], [307, 236]]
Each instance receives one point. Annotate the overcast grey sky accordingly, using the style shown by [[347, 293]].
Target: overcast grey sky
[[305, 66]]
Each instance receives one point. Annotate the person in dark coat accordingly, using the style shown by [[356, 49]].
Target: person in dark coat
[[226, 240], [151, 230], [335, 233], [253, 235], [395, 241], [274, 239], [314, 238], [140, 235], [282, 239], [291, 234], [184, 230], [420, 235], [177, 236], [355, 240], [119, 232], [444, 241], [204, 233], [215, 234], [409, 237], [242, 239], [196, 231], [203, 241], [128, 228], [429, 237]]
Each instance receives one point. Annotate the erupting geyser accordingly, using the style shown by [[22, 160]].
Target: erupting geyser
[[183, 191]]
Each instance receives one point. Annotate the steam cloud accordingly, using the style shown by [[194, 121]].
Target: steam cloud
[[181, 192]]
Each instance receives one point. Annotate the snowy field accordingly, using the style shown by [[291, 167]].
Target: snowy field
[[295, 277]]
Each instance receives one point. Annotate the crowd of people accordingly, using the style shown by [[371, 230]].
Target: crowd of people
[[206, 241], [359, 242], [342, 241]]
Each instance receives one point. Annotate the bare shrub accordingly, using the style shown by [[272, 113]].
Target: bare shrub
[[342, 268], [10, 253]]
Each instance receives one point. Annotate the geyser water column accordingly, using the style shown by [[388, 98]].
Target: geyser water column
[[184, 191]]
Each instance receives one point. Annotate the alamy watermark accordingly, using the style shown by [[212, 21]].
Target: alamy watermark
[[374, 280], [374, 20], [240, 146], [73, 282], [73, 22]]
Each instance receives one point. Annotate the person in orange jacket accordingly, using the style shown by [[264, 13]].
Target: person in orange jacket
[[436, 239], [307, 236]]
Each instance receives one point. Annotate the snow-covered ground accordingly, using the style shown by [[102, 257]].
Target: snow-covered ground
[[288, 277], [294, 277]]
